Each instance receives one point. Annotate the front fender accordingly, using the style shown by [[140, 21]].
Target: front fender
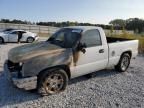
[[33, 66]]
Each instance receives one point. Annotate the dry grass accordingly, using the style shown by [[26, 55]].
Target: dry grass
[[133, 36], [44, 34]]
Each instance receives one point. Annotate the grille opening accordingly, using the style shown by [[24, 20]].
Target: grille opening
[[14, 67]]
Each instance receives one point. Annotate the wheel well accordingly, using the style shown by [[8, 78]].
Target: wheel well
[[67, 70], [64, 67], [2, 38], [128, 52]]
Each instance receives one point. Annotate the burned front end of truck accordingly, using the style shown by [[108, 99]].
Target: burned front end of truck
[[26, 62]]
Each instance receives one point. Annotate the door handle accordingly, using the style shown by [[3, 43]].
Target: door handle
[[101, 51]]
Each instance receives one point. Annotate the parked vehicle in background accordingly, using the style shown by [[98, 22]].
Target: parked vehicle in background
[[12, 36], [70, 52]]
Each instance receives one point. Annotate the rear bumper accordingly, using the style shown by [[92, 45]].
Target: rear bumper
[[24, 83]]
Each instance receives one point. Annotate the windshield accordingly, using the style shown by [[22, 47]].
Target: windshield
[[66, 37]]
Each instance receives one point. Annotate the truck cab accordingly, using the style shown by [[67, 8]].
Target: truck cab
[[70, 52]]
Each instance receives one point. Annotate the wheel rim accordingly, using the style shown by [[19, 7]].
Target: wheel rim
[[124, 63], [54, 83], [30, 40]]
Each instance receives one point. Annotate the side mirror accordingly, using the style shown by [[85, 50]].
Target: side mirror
[[83, 50], [81, 47]]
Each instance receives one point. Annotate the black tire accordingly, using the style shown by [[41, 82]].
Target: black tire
[[30, 39], [1, 40], [48, 84], [124, 62]]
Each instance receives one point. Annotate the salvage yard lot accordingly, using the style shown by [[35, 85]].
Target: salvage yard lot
[[107, 88]]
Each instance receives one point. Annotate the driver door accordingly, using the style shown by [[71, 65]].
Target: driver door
[[13, 36], [95, 56]]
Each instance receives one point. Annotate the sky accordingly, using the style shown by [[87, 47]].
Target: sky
[[91, 11]]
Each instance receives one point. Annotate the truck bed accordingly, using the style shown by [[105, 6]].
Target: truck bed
[[119, 45], [113, 39]]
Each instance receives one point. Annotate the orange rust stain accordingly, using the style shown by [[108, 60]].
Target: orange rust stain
[[76, 57]]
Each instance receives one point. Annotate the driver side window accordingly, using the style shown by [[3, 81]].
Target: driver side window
[[92, 38]]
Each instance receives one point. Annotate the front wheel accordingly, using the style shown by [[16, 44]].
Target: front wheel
[[30, 39], [123, 63], [52, 81]]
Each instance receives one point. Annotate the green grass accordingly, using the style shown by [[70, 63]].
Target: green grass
[[133, 36]]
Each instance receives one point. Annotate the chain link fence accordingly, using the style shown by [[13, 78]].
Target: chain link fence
[[31, 28], [47, 29]]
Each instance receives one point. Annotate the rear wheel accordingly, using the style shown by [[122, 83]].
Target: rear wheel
[[30, 39], [52, 81], [123, 63], [1, 40]]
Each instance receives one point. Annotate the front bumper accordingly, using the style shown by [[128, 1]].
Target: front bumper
[[24, 83], [37, 38]]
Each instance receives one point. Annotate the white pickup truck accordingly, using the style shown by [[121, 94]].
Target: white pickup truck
[[68, 53]]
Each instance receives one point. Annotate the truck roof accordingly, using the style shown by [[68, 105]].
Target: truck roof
[[84, 28]]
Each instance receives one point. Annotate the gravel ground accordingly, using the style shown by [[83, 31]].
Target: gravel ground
[[107, 89]]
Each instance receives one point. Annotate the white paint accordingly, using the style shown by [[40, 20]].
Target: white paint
[[93, 61]]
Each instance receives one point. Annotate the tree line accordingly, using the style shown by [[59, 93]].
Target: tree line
[[68, 23], [54, 24], [15, 21], [135, 24]]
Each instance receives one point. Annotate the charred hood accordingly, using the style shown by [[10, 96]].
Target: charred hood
[[28, 51]]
